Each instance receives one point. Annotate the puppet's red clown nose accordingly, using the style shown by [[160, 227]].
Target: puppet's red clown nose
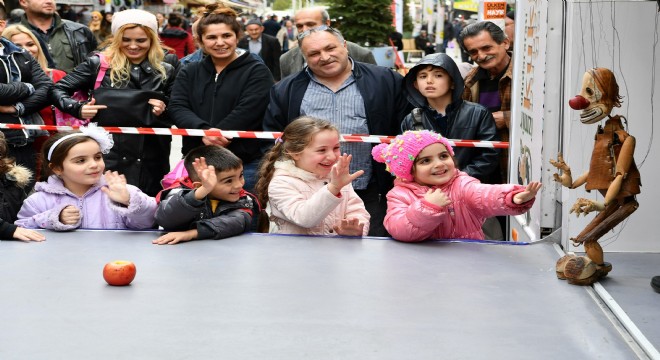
[[578, 102]]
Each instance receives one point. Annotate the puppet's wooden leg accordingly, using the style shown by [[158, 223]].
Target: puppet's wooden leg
[[621, 213], [582, 272], [595, 222]]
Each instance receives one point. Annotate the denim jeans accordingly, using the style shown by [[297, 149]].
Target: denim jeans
[[376, 205], [250, 172]]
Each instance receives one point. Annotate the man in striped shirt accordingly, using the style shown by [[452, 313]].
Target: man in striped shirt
[[356, 97]]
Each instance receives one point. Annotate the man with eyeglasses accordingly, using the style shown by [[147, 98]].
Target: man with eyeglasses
[[357, 98], [292, 61]]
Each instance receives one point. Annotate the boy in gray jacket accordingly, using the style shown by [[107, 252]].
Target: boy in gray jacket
[[210, 203]]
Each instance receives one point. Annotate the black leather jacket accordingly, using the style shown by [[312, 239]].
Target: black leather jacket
[[143, 159], [465, 120], [143, 76], [81, 40], [13, 91]]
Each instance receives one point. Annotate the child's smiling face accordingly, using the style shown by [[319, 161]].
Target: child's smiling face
[[320, 154], [433, 166], [229, 186]]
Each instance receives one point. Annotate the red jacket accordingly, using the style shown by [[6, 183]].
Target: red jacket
[[179, 40], [411, 218]]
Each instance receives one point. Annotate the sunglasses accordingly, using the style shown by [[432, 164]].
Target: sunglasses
[[321, 28]]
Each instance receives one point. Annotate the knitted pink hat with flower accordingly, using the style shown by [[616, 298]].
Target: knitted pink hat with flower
[[400, 154]]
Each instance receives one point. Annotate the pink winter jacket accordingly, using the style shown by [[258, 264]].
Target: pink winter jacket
[[300, 203], [411, 218]]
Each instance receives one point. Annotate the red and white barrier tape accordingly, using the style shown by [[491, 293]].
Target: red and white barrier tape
[[233, 134]]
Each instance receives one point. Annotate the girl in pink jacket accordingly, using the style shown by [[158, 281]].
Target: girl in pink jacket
[[304, 179], [432, 199]]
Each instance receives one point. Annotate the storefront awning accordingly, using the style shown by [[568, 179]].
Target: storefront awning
[[466, 5]]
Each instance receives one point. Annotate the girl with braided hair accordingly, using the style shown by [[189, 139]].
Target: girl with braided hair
[[304, 179]]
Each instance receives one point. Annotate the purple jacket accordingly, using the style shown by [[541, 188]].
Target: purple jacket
[[42, 209], [411, 218]]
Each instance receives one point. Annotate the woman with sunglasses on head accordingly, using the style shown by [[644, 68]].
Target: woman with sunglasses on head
[[227, 90], [135, 66]]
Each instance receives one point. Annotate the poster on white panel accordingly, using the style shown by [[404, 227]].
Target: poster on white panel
[[527, 98]]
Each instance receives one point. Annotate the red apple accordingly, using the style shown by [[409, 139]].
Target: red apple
[[578, 103], [119, 273]]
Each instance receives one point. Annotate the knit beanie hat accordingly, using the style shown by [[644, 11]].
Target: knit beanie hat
[[400, 154], [134, 16]]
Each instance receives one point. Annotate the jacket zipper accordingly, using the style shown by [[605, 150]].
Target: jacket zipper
[[9, 79], [215, 90]]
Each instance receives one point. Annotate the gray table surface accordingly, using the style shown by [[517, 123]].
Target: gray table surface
[[287, 297], [629, 285]]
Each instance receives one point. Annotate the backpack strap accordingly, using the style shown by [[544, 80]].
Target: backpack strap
[[417, 119], [102, 70]]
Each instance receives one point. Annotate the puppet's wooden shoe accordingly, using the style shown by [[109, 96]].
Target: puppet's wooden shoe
[[580, 270], [561, 264]]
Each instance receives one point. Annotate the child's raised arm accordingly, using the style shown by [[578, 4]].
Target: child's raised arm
[[207, 177]]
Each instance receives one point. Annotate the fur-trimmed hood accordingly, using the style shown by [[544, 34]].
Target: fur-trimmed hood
[[290, 168], [19, 174]]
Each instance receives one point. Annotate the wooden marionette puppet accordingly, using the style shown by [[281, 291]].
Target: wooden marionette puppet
[[612, 172]]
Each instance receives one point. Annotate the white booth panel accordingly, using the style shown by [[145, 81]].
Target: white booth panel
[[619, 36]]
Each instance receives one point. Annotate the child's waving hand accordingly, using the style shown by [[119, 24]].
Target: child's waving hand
[[116, 188], [207, 176], [339, 176], [528, 194]]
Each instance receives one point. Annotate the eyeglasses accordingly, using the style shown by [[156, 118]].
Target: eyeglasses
[[307, 32]]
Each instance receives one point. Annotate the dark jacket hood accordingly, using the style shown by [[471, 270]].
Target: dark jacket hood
[[440, 60], [174, 32], [245, 58]]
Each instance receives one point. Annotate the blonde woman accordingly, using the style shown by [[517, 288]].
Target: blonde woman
[[95, 23], [134, 61]]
